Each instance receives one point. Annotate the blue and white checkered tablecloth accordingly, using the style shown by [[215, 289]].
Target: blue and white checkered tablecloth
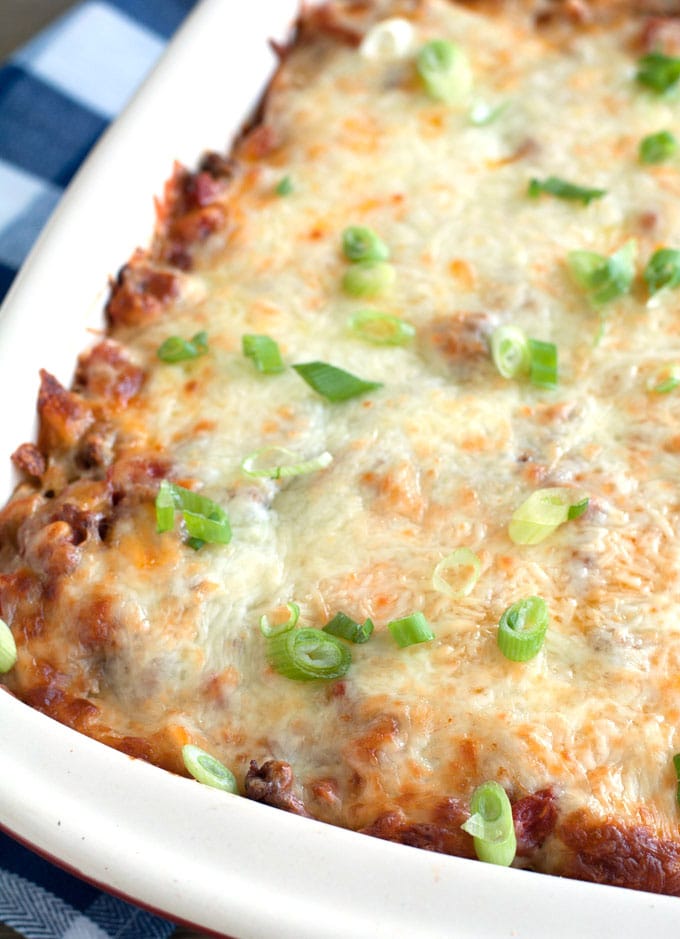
[[57, 95]]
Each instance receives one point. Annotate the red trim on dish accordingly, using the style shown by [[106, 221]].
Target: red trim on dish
[[100, 885]]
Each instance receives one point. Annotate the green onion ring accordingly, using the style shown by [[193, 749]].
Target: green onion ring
[[510, 351], [543, 512], [344, 627], [522, 629], [360, 243], [410, 630], [458, 562], [444, 71], [264, 352], [381, 329], [491, 825], [175, 349], [368, 278], [308, 655], [207, 770]]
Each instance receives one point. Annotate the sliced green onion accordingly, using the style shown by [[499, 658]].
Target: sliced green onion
[[543, 367], [334, 383], [344, 627], [522, 628], [662, 270], [8, 648], [604, 278], [268, 630], [669, 382], [205, 521], [388, 40], [543, 512], [465, 567], [491, 824], [676, 765], [658, 72], [554, 186], [444, 70], [284, 187], [368, 278], [176, 349], [279, 463], [657, 148], [264, 352], [207, 770], [363, 244], [208, 523], [410, 630], [308, 654], [165, 507], [510, 351], [381, 329]]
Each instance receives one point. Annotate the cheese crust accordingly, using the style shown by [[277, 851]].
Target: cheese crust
[[134, 638]]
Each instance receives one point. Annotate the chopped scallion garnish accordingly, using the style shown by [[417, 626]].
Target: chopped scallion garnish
[[344, 627], [368, 278], [279, 463], [662, 270], [8, 648], [604, 278], [363, 244], [510, 351], [381, 329], [522, 628], [268, 630], [308, 654], [554, 186], [284, 187], [515, 356], [176, 349], [543, 364], [543, 512], [332, 383], [205, 521], [444, 70], [410, 630], [668, 381], [207, 770], [657, 148], [491, 824], [658, 72], [457, 573], [264, 352]]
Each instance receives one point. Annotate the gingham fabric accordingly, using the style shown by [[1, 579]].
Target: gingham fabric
[[57, 95]]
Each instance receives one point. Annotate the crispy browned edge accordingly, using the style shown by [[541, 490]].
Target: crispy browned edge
[[74, 482]]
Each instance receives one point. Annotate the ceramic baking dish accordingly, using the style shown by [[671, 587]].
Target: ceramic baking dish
[[195, 854]]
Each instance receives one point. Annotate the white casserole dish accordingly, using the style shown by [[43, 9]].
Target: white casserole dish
[[194, 854]]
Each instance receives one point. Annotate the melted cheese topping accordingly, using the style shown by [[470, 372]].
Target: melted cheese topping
[[438, 458]]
